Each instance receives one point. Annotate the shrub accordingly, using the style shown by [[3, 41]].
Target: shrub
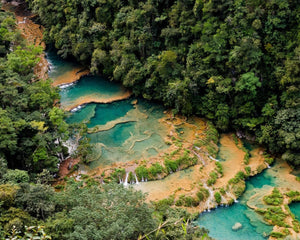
[[222, 191], [247, 157], [275, 198], [292, 193], [238, 177], [202, 194], [118, 174], [179, 203], [16, 176], [141, 172], [276, 216], [235, 139], [171, 166], [212, 178], [155, 169], [277, 234], [248, 170], [190, 201], [164, 203], [218, 197], [219, 168]]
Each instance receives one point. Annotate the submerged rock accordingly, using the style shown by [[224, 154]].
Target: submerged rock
[[237, 226]]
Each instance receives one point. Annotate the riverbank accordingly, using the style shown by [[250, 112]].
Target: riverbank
[[31, 31], [70, 76], [96, 98], [184, 187]]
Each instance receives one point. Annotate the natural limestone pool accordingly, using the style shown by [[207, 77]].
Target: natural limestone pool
[[124, 128], [121, 129], [221, 220]]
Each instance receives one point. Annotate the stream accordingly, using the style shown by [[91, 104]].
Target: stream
[[128, 129]]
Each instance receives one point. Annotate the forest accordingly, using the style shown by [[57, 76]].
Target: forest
[[236, 63], [233, 62], [32, 133]]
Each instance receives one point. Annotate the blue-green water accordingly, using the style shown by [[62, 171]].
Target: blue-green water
[[58, 66], [295, 208], [94, 86], [109, 112], [129, 129], [134, 132], [220, 221]]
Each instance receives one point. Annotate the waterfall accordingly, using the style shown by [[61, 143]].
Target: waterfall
[[212, 158], [136, 179], [120, 180], [223, 200], [142, 179], [126, 180], [210, 198], [199, 157], [268, 166], [232, 196]]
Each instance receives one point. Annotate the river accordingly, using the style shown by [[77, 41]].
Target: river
[[125, 128]]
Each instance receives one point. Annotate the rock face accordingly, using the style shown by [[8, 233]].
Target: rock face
[[237, 226]]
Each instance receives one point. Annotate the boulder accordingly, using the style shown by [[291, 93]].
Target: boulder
[[237, 226]]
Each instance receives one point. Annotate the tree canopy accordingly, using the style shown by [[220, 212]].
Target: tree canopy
[[233, 62]]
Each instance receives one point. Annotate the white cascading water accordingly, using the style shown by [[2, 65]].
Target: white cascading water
[[136, 179], [268, 166], [232, 196], [212, 158], [126, 179], [210, 198]]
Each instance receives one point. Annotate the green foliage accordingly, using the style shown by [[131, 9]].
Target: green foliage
[[16, 176], [248, 170], [22, 61], [292, 194], [213, 176], [164, 204], [237, 178], [36, 199], [171, 166], [235, 63], [218, 197], [275, 216], [202, 194], [8, 194], [246, 158], [275, 198], [269, 160], [219, 168], [118, 174], [222, 191], [277, 234], [155, 169], [141, 172], [187, 201]]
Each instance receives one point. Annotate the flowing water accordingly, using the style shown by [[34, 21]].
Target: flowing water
[[129, 129], [123, 130], [220, 221]]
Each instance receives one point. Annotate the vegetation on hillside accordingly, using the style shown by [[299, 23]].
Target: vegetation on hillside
[[32, 129], [32, 132], [234, 62]]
